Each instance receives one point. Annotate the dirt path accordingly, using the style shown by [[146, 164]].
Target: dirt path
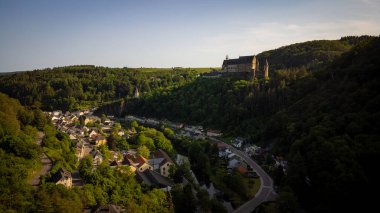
[[45, 161]]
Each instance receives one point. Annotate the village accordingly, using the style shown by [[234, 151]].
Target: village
[[89, 132]]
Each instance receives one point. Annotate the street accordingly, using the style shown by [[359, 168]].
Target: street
[[265, 193]]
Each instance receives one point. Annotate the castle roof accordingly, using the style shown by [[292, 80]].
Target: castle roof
[[240, 60]]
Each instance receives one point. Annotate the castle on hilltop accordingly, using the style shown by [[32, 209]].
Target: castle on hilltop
[[247, 66]]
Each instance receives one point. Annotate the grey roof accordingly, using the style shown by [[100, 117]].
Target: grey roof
[[240, 60], [110, 208], [152, 178], [60, 174]]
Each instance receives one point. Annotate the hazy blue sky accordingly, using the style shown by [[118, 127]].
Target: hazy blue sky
[[166, 33]]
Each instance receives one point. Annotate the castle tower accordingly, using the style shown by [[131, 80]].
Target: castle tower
[[254, 66], [266, 69]]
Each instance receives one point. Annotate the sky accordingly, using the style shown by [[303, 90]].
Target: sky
[[168, 33]]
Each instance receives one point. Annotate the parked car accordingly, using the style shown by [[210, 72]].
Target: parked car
[[252, 174]]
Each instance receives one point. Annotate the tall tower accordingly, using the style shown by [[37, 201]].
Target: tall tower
[[266, 69], [137, 93], [254, 66]]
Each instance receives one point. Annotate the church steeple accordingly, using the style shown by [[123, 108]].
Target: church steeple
[[137, 93]]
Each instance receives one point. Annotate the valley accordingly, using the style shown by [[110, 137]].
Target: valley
[[185, 140]]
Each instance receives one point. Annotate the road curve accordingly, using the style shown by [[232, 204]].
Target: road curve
[[265, 193]]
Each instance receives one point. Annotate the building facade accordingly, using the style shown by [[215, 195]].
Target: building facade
[[247, 66]]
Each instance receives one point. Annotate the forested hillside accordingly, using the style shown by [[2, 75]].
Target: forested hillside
[[75, 87], [18, 152], [20, 156], [311, 55], [319, 109], [331, 133], [325, 122]]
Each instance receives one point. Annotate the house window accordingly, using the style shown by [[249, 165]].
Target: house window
[[167, 164]]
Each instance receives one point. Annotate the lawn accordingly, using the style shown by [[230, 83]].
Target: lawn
[[254, 186]]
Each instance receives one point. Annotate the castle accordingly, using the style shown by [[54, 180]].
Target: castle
[[245, 66]]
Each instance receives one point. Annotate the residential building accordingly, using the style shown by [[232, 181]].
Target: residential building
[[154, 179], [161, 162], [110, 208], [100, 140], [62, 176]]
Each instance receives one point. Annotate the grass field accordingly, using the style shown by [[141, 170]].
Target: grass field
[[197, 69], [254, 186]]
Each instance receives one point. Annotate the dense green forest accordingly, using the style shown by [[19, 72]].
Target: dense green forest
[[319, 109], [324, 121], [83, 86], [20, 157], [311, 55], [75, 87]]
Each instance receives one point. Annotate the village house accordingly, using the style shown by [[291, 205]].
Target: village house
[[152, 122], [79, 150], [213, 133], [97, 157], [252, 150], [194, 129], [174, 125], [154, 179], [62, 176], [138, 162], [161, 162], [100, 140], [92, 133], [181, 159], [237, 142], [224, 152], [120, 133], [106, 129], [213, 74], [115, 163], [110, 208], [133, 118], [57, 113], [91, 119]]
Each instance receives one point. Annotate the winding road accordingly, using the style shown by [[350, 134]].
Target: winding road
[[45, 161], [265, 193]]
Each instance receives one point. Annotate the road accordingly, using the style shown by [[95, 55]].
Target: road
[[45, 161], [265, 193]]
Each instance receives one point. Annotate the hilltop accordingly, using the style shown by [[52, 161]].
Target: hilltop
[[84, 86]]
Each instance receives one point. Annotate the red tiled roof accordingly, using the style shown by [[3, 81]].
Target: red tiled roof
[[241, 169]]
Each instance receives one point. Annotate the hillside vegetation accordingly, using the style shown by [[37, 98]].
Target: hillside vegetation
[[311, 55], [75, 87], [319, 109], [325, 123]]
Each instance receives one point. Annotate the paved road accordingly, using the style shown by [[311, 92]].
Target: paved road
[[45, 161], [265, 193]]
